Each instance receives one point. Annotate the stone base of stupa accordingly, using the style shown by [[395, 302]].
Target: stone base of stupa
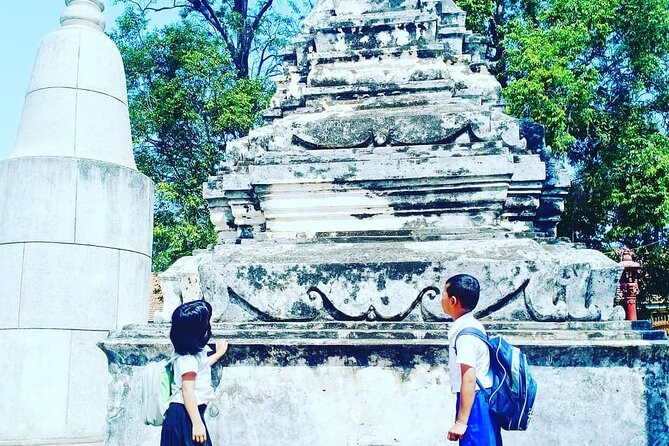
[[374, 384]]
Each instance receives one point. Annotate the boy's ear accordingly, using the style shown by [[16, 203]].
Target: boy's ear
[[458, 303]]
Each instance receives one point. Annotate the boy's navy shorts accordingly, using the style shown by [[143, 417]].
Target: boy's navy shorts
[[482, 430]]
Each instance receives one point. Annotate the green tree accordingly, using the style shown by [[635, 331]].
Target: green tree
[[193, 86], [595, 74], [186, 102], [252, 32]]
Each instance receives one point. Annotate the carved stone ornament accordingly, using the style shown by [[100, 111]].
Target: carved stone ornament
[[521, 280]]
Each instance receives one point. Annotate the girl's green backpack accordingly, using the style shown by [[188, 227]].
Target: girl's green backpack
[[157, 380]]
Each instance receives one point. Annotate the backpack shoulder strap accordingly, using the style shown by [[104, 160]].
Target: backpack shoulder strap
[[173, 358], [476, 333], [472, 332]]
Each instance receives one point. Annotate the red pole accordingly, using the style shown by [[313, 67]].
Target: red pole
[[629, 285]]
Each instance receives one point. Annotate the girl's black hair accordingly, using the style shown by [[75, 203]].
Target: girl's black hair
[[191, 329]]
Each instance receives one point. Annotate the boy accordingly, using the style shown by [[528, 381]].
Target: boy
[[467, 361]]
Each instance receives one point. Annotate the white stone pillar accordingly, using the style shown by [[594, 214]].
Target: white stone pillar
[[75, 237]]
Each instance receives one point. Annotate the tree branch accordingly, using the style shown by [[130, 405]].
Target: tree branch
[[149, 8], [273, 69], [205, 9], [263, 10], [264, 58]]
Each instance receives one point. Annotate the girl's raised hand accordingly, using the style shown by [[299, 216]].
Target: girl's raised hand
[[221, 347]]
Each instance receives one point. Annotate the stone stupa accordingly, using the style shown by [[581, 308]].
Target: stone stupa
[[388, 163]]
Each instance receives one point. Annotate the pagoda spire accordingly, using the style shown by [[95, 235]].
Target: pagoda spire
[[83, 13], [76, 103]]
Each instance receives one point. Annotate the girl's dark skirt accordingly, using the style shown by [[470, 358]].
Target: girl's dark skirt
[[178, 429]]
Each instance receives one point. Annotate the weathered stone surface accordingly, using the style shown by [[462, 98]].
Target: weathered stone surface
[[54, 295], [21, 193], [89, 144], [396, 281], [179, 284], [38, 111], [386, 124], [133, 270], [87, 399], [368, 389], [114, 207], [91, 202], [24, 353], [11, 263]]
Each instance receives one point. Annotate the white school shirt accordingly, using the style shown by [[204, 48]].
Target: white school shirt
[[198, 363], [471, 351]]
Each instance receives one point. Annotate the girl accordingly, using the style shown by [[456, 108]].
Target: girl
[[190, 332]]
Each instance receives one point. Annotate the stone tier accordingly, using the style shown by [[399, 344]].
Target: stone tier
[[385, 120], [392, 333], [521, 279], [337, 384]]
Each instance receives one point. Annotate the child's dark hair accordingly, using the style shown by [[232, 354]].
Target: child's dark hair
[[191, 329], [466, 288]]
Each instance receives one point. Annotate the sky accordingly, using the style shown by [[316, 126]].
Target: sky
[[23, 23]]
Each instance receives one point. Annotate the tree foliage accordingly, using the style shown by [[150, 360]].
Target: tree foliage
[[595, 74], [194, 85], [252, 32], [186, 102]]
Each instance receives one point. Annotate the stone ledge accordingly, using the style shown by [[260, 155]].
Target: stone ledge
[[521, 279], [285, 346]]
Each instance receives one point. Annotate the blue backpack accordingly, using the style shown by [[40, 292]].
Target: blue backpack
[[512, 394]]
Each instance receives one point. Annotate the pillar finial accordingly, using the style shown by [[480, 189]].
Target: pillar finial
[[83, 13]]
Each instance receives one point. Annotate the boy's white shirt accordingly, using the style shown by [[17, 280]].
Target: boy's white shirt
[[471, 351], [199, 364]]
